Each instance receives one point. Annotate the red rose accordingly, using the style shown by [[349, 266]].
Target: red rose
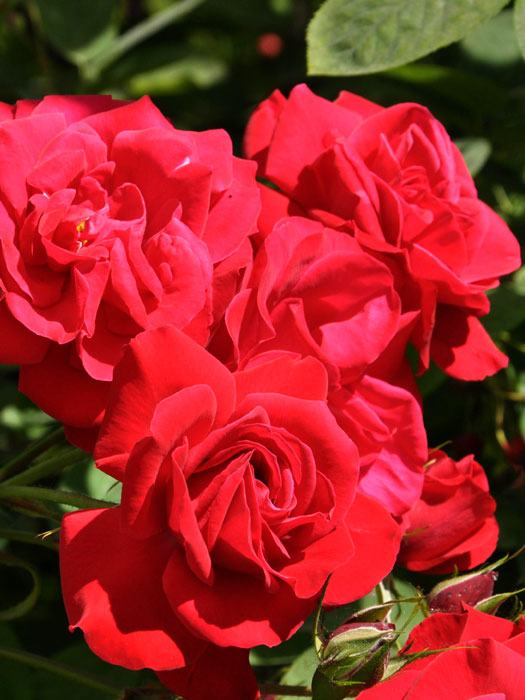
[[489, 663], [112, 221], [393, 179], [453, 525], [238, 501], [314, 291], [386, 424]]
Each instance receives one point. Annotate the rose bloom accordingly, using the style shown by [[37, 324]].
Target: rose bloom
[[314, 291], [393, 180], [452, 526], [238, 501], [489, 663], [112, 221]]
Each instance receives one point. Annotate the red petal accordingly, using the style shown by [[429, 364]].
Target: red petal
[[283, 373], [464, 674], [75, 107], [65, 392], [301, 132], [261, 126], [157, 364], [221, 673], [111, 584], [236, 610], [462, 347], [19, 345], [376, 539]]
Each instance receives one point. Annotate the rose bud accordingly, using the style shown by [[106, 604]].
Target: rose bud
[[355, 653], [472, 655], [449, 596]]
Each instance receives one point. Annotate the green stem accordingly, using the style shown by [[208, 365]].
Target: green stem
[[379, 594], [60, 669], [36, 448], [138, 34], [297, 691], [45, 468], [28, 537], [69, 498], [34, 510]]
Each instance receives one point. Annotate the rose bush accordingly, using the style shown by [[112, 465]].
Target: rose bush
[[393, 180], [452, 526], [314, 291], [488, 663], [112, 221], [239, 500], [235, 344]]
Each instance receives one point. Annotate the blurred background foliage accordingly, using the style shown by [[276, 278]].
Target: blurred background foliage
[[206, 64]]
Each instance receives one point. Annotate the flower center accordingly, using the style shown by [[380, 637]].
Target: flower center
[[81, 228]]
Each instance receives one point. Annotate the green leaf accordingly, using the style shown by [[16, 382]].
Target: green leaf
[[301, 671], [79, 29], [353, 37], [519, 24], [476, 152], [25, 605], [493, 43]]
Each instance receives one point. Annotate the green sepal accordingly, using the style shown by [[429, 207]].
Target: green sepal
[[491, 605]]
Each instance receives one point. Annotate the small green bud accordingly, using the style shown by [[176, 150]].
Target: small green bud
[[357, 653]]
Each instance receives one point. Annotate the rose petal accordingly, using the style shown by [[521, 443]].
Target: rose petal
[[111, 588]]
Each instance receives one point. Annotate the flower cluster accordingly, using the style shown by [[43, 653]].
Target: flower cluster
[[235, 354]]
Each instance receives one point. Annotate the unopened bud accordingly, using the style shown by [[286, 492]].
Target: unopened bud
[[448, 596], [357, 653]]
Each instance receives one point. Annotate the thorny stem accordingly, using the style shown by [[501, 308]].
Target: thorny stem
[[77, 500], [138, 34], [46, 467]]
